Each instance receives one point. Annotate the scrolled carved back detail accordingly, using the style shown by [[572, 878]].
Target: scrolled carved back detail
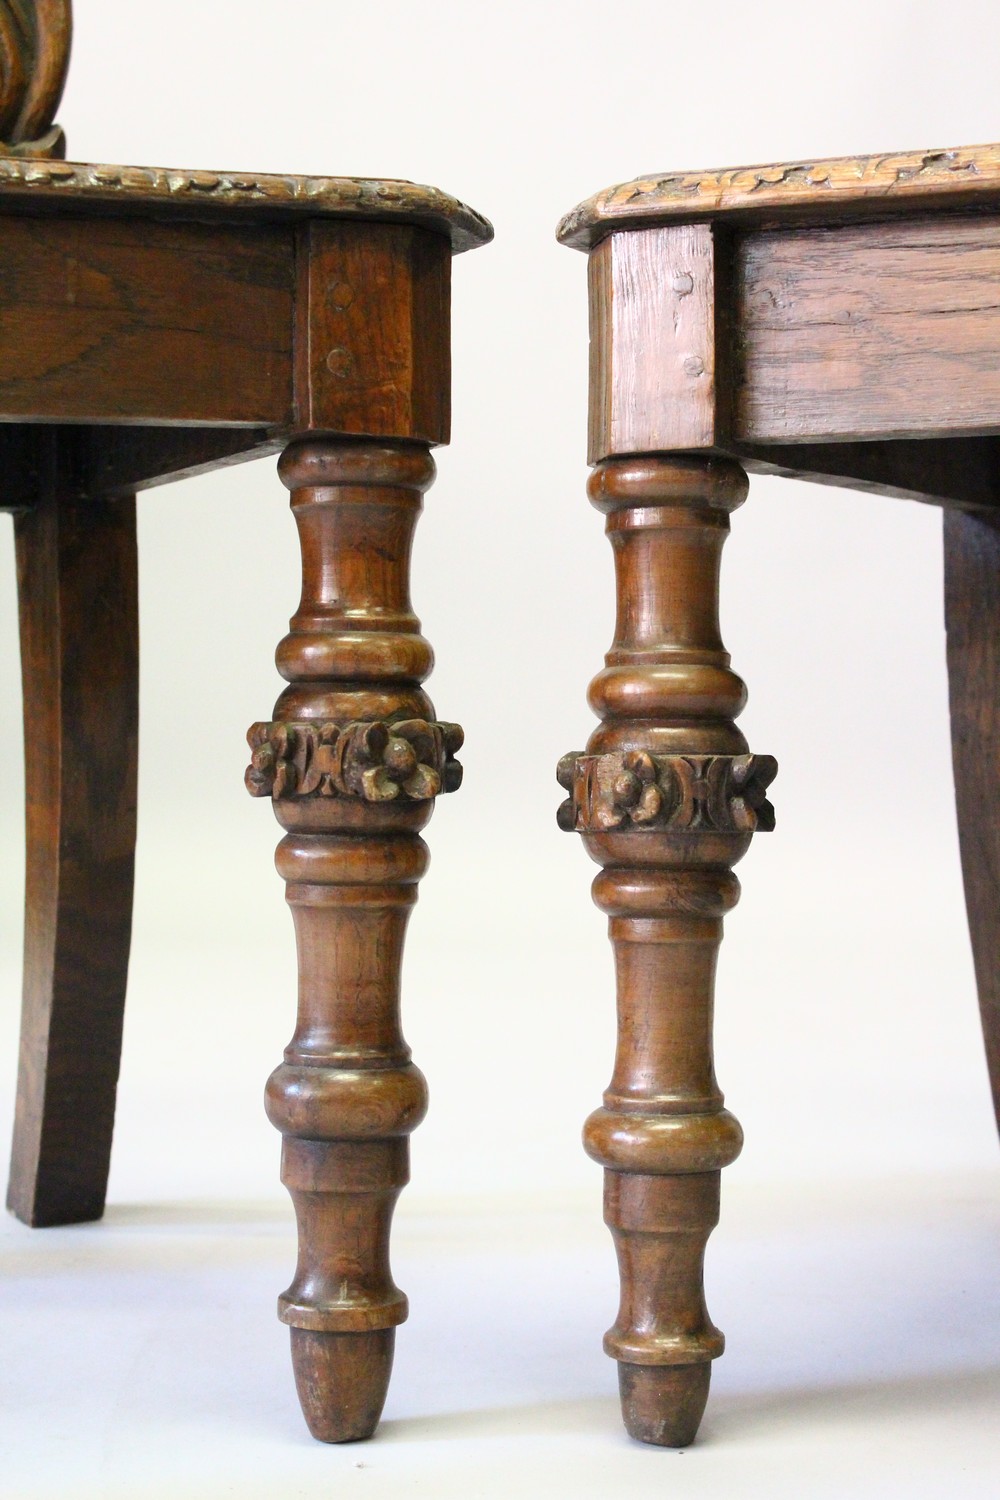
[[35, 37]]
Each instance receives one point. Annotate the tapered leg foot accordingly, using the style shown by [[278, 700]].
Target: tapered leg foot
[[664, 1404], [342, 1380], [667, 799], [352, 762]]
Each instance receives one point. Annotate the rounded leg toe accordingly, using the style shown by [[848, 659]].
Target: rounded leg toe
[[664, 1404], [342, 1379]]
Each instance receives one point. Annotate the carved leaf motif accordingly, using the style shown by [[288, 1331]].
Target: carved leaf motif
[[633, 789], [260, 772], [319, 762], [752, 775], [636, 789], [375, 762], [378, 785], [423, 784], [852, 179], [454, 738], [400, 757]]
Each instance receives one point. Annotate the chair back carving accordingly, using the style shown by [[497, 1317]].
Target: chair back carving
[[35, 38]]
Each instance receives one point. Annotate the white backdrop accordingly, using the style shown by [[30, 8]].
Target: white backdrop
[[847, 1031]]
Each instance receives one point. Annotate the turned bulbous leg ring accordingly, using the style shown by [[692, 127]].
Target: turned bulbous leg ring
[[667, 798], [352, 760]]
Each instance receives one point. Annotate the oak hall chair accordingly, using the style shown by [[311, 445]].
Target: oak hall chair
[[830, 320], [153, 324]]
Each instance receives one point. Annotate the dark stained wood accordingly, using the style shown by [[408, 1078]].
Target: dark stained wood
[[373, 353], [121, 460], [23, 465], [869, 330], [76, 564], [110, 461], [106, 320], [652, 341], [352, 760], [666, 798], [154, 324], [972, 613], [791, 193], [940, 471]]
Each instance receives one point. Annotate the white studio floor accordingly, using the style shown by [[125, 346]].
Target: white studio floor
[[855, 1273], [856, 1270], [141, 1356]]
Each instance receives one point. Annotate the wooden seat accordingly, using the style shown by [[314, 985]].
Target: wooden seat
[[155, 324], [829, 320]]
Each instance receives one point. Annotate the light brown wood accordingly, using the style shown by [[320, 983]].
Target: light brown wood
[[798, 336], [816, 191], [666, 798], [868, 330], [352, 760], [652, 341], [972, 614], [855, 321]]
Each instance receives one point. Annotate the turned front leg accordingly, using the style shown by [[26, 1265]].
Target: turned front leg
[[662, 1137], [345, 1099], [353, 760], [667, 799]]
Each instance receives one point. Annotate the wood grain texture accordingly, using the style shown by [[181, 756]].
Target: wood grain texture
[[817, 191], [667, 800], [112, 321], [353, 761], [373, 331], [857, 318], [972, 614], [44, 187], [76, 565], [652, 341], [869, 331]]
